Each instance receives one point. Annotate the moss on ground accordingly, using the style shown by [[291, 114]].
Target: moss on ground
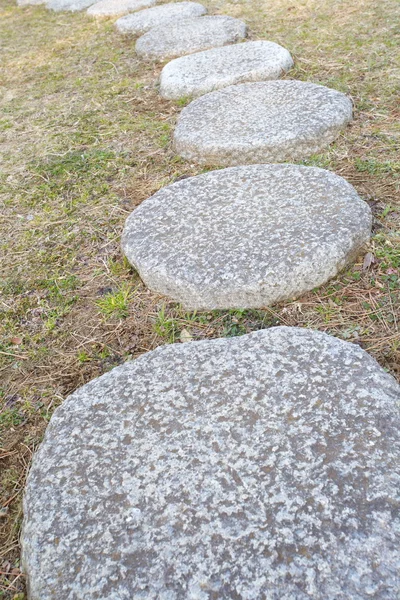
[[84, 138]]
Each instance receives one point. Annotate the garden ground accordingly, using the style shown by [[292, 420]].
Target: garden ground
[[85, 137]]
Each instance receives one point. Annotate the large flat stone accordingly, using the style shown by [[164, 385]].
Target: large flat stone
[[68, 5], [203, 72], [264, 466], [165, 14], [109, 8], [246, 236], [272, 121], [190, 35]]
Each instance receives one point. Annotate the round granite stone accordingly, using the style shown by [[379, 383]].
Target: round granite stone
[[272, 121], [109, 8], [246, 237], [68, 5], [203, 72], [190, 35], [29, 2], [261, 466], [165, 14]]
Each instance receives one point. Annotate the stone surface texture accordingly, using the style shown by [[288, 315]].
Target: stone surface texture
[[190, 35], [203, 72], [68, 5], [246, 237], [262, 466], [272, 121], [109, 8], [165, 14]]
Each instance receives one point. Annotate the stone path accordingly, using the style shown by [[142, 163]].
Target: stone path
[[203, 72], [263, 466], [190, 35], [68, 5], [164, 14], [108, 8], [26, 2], [260, 466], [246, 237], [273, 121]]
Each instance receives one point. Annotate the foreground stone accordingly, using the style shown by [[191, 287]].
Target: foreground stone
[[210, 70], [68, 5], [272, 121], [246, 237], [109, 8], [262, 466], [190, 35], [165, 14]]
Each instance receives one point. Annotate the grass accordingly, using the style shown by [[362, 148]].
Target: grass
[[116, 304], [85, 137]]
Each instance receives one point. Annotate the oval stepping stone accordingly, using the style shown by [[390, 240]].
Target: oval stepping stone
[[108, 8], [272, 121], [203, 72], [247, 236], [261, 466], [159, 15], [68, 5], [190, 35]]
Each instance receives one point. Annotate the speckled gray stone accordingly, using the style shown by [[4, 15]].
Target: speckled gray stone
[[272, 121], [28, 2], [165, 14], [190, 35], [263, 466], [68, 5], [246, 236], [109, 8], [203, 72]]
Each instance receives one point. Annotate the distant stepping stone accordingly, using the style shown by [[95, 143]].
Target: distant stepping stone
[[68, 5], [29, 2], [203, 72], [246, 237], [165, 14], [109, 8], [261, 466], [190, 35], [272, 121]]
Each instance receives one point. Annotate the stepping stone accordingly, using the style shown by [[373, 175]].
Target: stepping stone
[[272, 121], [68, 5], [165, 14], [246, 237], [29, 2], [203, 72], [261, 466], [190, 35], [109, 8]]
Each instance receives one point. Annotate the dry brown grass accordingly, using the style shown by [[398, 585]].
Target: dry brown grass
[[85, 138]]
